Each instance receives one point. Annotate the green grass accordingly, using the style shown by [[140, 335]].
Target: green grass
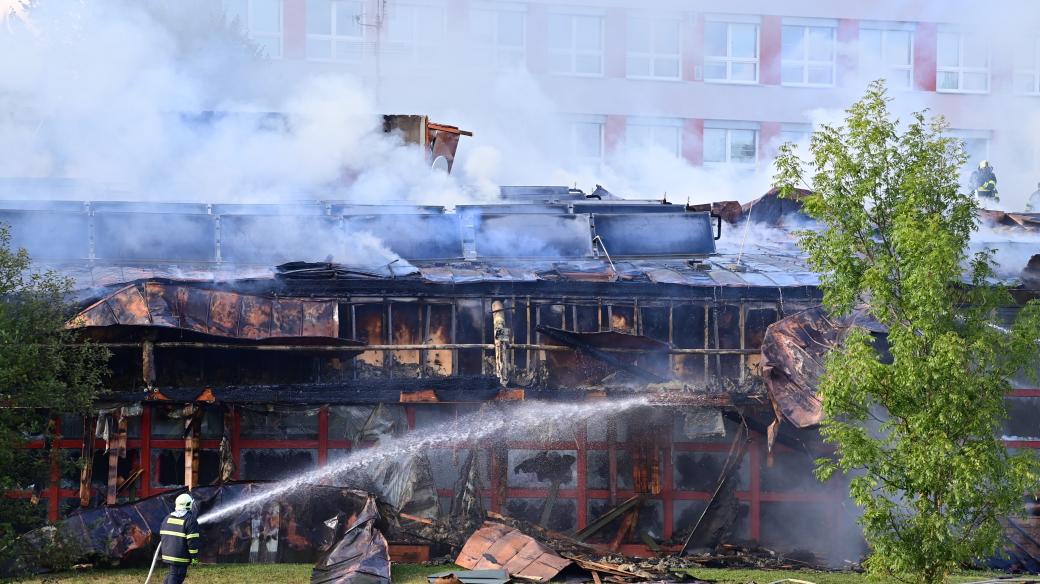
[[226, 574], [733, 576], [416, 574]]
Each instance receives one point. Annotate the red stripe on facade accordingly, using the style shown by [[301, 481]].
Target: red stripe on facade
[[693, 141], [769, 54], [294, 14], [925, 47], [692, 46]]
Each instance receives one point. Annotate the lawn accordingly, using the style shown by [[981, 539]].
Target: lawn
[[728, 576], [415, 574], [226, 574]]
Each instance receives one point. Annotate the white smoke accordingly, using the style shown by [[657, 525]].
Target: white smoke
[[166, 101], [98, 90]]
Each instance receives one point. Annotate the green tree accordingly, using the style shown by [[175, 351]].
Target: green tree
[[44, 372], [918, 429]]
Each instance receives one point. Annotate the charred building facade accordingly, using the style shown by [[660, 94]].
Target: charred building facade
[[244, 348]]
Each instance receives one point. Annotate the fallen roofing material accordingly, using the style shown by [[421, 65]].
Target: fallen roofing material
[[793, 353], [499, 546], [360, 554], [211, 312], [470, 577], [126, 533]]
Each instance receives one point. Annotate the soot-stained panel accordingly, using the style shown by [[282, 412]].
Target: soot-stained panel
[[414, 236], [533, 236], [49, 234], [656, 234], [155, 236]]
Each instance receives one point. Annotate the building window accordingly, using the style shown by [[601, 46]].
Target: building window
[[808, 54], [730, 145], [976, 146], [334, 30], [499, 38], [663, 133], [731, 51], [414, 32], [261, 21], [962, 63], [1027, 69], [887, 51], [586, 138], [576, 44], [653, 48], [795, 133]]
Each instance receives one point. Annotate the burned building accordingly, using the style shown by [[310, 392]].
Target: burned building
[[251, 342]]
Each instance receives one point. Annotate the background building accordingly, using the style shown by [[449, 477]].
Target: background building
[[713, 83]]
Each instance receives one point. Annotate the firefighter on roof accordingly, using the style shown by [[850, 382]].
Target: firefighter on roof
[[180, 539], [1033, 206], [984, 181]]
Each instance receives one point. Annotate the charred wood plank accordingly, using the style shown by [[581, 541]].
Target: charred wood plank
[[607, 518]]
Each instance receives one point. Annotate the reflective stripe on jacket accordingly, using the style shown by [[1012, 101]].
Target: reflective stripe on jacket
[[179, 538]]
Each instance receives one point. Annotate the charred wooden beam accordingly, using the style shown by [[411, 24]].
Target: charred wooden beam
[[503, 340], [608, 517], [87, 456], [116, 450], [148, 363], [475, 389], [412, 347], [193, 419]]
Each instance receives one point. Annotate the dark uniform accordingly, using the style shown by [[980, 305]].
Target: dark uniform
[[984, 180], [180, 544]]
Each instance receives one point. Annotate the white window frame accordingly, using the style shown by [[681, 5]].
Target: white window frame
[[335, 38], [573, 51], [495, 9], [806, 24], [652, 55], [279, 36], [885, 28], [794, 133], [960, 69], [1033, 73], [652, 124], [411, 50], [728, 60], [573, 122], [729, 127]]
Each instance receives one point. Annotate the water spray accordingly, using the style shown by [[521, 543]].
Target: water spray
[[488, 423]]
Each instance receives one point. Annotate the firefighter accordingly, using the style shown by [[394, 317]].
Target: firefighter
[[984, 181], [180, 539], [1033, 205]]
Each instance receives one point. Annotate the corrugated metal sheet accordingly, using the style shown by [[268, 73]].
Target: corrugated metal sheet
[[499, 546]]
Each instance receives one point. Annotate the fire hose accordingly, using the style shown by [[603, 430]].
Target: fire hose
[[154, 558]]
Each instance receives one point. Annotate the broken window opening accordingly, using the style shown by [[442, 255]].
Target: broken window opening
[[689, 331], [168, 467], [271, 464], [370, 323], [470, 329], [170, 422], [406, 329], [284, 423]]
